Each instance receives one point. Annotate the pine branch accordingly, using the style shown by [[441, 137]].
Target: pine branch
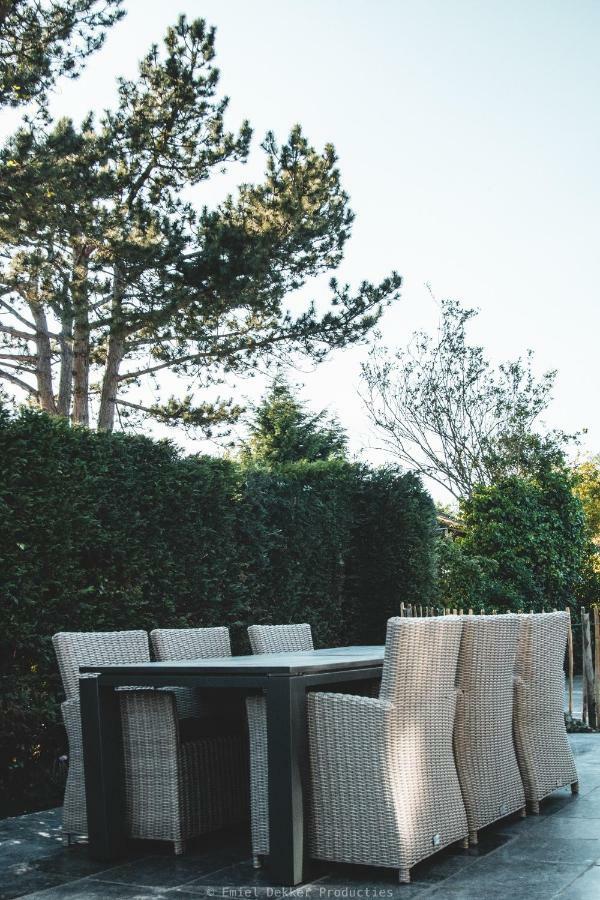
[[18, 382]]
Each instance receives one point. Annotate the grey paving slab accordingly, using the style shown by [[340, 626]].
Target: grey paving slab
[[585, 887], [91, 889], [494, 879], [555, 854]]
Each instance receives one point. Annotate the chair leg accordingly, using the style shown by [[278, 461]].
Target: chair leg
[[575, 787], [68, 838], [523, 812], [404, 875], [464, 843], [179, 847], [534, 808], [473, 839], [256, 861]]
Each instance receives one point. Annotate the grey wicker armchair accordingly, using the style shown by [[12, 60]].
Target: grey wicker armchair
[[483, 731], [72, 650], [266, 639], [543, 750], [181, 778], [384, 786]]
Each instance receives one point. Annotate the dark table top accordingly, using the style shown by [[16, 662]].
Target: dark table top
[[297, 663]]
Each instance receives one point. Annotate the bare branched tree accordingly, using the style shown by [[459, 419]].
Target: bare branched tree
[[441, 408]]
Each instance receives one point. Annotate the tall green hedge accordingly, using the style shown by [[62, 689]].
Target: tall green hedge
[[103, 532]]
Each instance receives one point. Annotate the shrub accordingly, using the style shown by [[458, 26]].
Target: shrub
[[524, 545], [109, 531]]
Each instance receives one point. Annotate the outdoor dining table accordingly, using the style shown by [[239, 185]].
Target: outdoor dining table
[[283, 678]]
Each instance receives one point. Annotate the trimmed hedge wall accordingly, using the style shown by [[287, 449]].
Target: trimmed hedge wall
[[101, 532]]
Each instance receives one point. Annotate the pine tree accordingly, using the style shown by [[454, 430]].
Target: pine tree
[[40, 41], [111, 277], [283, 431]]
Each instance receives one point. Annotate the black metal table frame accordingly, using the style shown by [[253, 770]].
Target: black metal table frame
[[287, 753]]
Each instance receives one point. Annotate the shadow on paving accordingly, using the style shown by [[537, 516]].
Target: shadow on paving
[[555, 854]]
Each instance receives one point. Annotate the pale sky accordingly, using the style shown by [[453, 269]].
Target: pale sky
[[468, 135]]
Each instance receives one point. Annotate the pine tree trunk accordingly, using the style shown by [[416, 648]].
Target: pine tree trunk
[[114, 357], [81, 338], [44, 359], [65, 385], [110, 383]]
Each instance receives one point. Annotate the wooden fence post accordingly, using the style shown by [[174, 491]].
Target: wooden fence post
[[584, 706], [570, 662], [597, 659], [588, 669]]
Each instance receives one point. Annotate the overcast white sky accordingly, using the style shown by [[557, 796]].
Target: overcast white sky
[[468, 133]]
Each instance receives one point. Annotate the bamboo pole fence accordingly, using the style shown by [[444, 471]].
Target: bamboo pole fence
[[588, 626]]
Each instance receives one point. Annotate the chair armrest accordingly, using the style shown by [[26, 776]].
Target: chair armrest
[[332, 717], [357, 702]]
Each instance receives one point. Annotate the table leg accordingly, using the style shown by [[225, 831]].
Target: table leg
[[102, 760], [288, 756]]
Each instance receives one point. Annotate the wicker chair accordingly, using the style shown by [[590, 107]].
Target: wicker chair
[[266, 639], [181, 780], [543, 750], [384, 786], [190, 643], [483, 733]]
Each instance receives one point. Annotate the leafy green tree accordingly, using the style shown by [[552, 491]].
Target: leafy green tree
[[532, 532], [284, 432], [111, 277], [40, 40], [441, 408], [587, 489], [464, 578]]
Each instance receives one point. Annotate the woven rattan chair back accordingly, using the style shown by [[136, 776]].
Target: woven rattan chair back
[[384, 787], [487, 655], [543, 750], [541, 649], [420, 657], [89, 648], [483, 735], [190, 643], [280, 638]]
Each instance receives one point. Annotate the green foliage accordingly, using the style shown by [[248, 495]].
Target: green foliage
[[524, 545], [104, 531], [40, 41], [463, 578], [110, 275], [283, 431], [587, 488], [394, 541]]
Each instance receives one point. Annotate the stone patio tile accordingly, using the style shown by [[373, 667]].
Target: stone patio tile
[[585, 887], [560, 826], [586, 806], [91, 889], [237, 880], [495, 879], [21, 880], [537, 848], [166, 871]]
